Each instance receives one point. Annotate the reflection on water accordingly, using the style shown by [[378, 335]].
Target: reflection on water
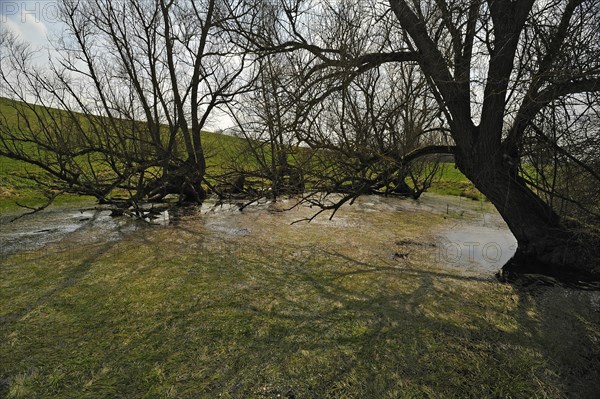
[[51, 226], [451, 231], [476, 247]]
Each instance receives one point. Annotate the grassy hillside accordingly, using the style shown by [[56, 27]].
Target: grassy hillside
[[15, 187], [220, 150], [451, 181]]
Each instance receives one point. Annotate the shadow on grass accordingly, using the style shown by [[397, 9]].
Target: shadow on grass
[[234, 318], [318, 335], [564, 323], [72, 276]]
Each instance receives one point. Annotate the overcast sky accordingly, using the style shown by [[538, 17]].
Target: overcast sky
[[36, 22], [32, 21]]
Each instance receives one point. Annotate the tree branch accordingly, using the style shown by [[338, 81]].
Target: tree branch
[[532, 106], [429, 150]]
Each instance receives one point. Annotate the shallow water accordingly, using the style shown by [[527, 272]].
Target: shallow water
[[32, 232], [477, 240], [478, 248], [456, 233]]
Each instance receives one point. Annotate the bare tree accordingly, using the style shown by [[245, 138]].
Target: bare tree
[[373, 129], [136, 82], [359, 127], [494, 67], [266, 120]]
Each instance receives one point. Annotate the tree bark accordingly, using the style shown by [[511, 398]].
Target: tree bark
[[545, 244]]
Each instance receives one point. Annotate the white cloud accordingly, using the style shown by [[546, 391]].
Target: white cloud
[[33, 25], [28, 29]]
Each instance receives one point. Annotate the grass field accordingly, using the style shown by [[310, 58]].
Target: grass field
[[302, 311], [246, 305]]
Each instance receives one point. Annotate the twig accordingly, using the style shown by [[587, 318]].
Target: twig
[[33, 210]]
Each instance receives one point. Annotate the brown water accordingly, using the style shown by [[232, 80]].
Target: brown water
[[442, 231]]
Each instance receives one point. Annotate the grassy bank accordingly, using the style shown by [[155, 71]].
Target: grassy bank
[[14, 188]]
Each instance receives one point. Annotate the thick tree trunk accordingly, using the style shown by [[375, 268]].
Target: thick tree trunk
[[184, 180], [545, 245]]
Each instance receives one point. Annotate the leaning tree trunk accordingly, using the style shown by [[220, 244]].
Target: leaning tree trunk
[[545, 245]]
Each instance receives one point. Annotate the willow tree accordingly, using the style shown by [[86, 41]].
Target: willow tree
[[124, 98], [534, 55], [509, 77]]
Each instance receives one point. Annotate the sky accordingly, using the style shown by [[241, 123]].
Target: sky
[[32, 21], [36, 22]]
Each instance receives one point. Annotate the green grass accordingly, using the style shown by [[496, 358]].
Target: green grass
[[288, 311], [220, 150], [451, 181], [15, 188]]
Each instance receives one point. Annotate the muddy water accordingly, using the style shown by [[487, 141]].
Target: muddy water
[[440, 231], [33, 232], [451, 232]]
